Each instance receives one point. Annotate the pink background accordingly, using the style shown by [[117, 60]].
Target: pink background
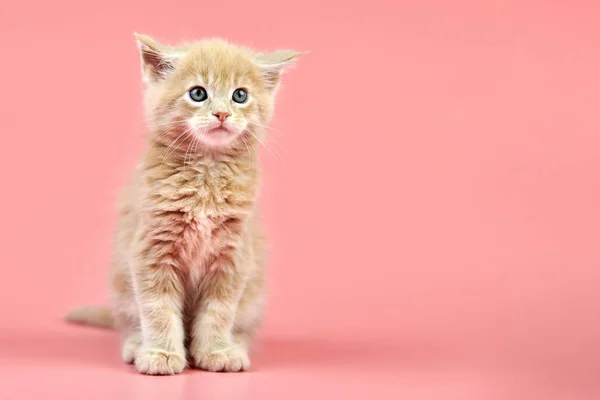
[[434, 207]]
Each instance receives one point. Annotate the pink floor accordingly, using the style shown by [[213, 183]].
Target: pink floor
[[54, 361]]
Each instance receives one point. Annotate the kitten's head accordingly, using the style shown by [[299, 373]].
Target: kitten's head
[[210, 92]]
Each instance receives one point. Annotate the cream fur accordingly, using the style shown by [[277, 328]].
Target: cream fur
[[187, 276]]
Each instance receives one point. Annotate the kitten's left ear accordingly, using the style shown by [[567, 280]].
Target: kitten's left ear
[[157, 59], [273, 64]]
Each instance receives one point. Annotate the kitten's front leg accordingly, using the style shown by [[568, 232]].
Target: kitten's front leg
[[213, 346], [159, 295]]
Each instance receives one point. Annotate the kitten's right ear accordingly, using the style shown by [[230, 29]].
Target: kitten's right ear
[[157, 60]]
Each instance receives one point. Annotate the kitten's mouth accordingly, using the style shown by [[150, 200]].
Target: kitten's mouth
[[218, 136], [220, 130]]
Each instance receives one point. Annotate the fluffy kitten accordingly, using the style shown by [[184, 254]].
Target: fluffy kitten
[[187, 274]]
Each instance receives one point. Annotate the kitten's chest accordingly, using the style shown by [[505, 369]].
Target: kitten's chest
[[207, 208], [210, 236], [218, 190], [204, 227], [212, 213]]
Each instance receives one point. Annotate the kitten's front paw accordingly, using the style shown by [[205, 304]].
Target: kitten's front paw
[[159, 362], [230, 359]]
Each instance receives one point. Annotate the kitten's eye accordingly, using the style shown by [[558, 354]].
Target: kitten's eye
[[198, 94], [240, 96]]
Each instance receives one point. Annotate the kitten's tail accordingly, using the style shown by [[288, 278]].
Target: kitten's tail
[[100, 317]]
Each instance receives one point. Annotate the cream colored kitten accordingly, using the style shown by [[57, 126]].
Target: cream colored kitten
[[187, 273]]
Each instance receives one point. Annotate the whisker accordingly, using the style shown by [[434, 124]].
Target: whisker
[[160, 135], [196, 145], [267, 146], [265, 126], [269, 137], [252, 158], [193, 143], [167, 154]]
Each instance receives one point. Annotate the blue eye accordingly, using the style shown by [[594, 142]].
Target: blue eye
[[198, 94], [240, 96]]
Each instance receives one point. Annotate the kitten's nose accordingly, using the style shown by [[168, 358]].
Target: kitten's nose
[[221, 115]]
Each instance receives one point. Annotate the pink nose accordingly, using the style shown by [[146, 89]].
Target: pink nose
[[221, 115]]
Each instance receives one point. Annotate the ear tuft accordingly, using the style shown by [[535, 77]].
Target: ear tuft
[[273, 64], [157, 60]]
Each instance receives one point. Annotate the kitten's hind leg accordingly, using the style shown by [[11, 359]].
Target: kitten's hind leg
[[127, 319], [130, 345], [128, 324], [249, 312]]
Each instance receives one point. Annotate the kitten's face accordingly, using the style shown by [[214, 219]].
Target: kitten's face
[[218, 114], [214, 94], [209, 94]]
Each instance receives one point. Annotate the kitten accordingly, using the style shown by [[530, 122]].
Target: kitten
[[187, 278]]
